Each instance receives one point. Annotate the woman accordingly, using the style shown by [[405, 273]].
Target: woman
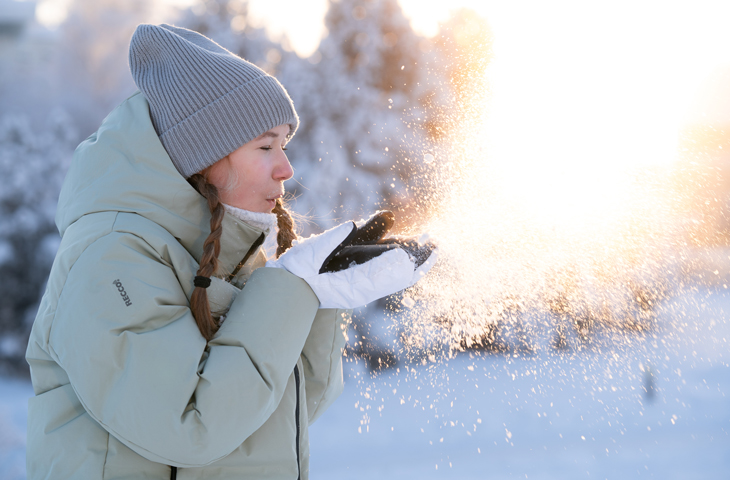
[[148, 356]]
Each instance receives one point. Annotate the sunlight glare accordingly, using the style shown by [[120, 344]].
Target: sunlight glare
[[585, 95], [557, 194], [301, 22], [51, 13]]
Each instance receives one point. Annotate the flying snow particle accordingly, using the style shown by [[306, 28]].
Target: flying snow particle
[[408, 302], [428, 158], [424, 238]]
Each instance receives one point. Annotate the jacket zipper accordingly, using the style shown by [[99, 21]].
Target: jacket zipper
[[259, 241], [296, 419]]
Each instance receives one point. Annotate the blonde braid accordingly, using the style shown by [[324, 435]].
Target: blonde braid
[[209, 261], [287, 228]]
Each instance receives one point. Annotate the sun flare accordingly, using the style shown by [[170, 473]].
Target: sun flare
[[560, 178]]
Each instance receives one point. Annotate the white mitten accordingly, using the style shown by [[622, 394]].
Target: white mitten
[[357, 285]]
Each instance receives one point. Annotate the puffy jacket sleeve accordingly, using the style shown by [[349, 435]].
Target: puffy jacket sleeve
[[322, 359], [141, 369]]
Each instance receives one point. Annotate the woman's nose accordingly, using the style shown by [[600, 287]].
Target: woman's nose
[[284, 170]]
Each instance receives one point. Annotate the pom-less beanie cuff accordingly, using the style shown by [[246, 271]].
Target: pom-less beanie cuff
[[224, 125], [205, 102]]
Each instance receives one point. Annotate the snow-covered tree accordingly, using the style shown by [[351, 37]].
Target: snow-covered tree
[[81, 66], [228, 23], [92, 68], [360, 99], [32, 166]]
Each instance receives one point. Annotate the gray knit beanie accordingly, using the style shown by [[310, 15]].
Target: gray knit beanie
[[205, 102]]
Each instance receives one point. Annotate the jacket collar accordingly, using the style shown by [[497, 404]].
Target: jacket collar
[[236, 240]]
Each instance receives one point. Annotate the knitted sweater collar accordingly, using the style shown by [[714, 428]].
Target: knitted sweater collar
[[262, 221]]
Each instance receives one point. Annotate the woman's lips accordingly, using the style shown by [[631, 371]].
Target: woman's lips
[[272, 200]]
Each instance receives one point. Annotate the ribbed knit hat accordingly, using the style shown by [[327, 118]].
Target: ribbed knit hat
[[205, 102]]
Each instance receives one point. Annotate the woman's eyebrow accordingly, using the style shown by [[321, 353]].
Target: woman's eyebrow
[[268, 134]]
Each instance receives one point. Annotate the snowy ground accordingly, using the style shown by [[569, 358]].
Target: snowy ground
[[542, 417], [546, 417], [13, 414]]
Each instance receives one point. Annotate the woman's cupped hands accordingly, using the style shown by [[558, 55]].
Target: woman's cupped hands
[[352, 265]]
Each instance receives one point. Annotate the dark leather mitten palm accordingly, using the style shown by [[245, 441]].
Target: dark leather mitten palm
[[368, 241]]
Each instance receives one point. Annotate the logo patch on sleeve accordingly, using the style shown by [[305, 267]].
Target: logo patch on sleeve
[[122, 292]]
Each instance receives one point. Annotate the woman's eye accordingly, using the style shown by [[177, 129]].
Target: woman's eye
[[268, 147]]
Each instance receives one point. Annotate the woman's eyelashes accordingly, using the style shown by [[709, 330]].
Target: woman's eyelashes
[[269, 147]]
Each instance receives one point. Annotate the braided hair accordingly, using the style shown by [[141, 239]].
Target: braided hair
[[211, 249], [287, 228]]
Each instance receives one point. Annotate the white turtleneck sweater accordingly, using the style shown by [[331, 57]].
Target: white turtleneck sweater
[[264, 221]]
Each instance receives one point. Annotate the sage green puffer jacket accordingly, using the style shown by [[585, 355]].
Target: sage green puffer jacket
[[126, 387]]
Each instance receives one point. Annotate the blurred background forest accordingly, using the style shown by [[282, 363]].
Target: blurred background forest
[[378, 102]]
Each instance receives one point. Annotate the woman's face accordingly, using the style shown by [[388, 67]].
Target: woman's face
[[253, 177]]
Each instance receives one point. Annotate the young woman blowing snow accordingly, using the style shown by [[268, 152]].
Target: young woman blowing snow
[[149, 357]]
